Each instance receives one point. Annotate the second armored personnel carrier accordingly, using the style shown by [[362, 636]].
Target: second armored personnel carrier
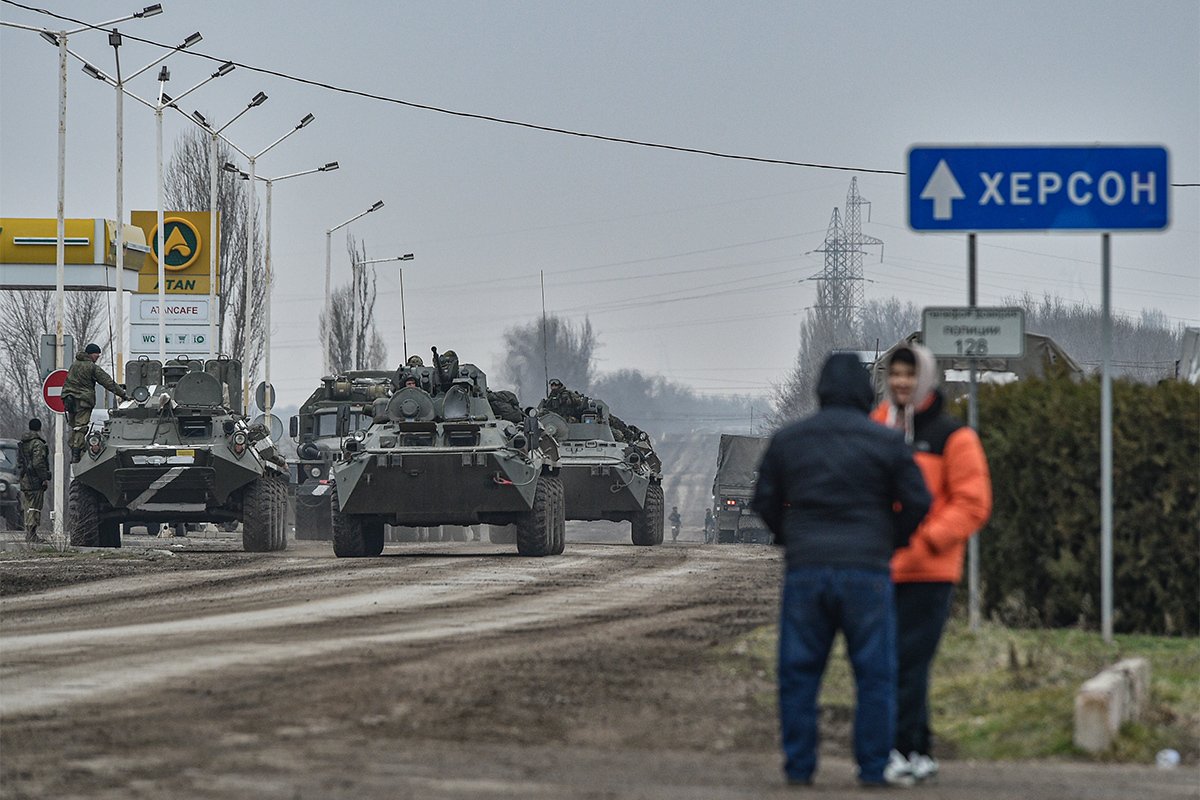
[[335, 410], [437, 455], [177, 453], [605, 479]]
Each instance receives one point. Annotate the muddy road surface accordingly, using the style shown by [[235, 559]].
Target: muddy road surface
[[436, 671]]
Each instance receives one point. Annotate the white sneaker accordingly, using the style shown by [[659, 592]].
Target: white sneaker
[[922, 767], [898, 771]]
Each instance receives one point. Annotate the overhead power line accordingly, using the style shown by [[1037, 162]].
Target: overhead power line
[[482, 117]]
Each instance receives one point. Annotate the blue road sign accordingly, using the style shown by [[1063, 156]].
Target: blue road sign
[[978, 188]]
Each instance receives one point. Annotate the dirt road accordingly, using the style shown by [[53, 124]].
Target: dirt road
[[437, 671]]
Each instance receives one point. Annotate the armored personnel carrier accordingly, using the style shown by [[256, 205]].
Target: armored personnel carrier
[[335, 410], [177, 453], [436, 454], [605, 479]]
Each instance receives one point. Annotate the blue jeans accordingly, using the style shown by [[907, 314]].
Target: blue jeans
[[817, 603], [921, 613]]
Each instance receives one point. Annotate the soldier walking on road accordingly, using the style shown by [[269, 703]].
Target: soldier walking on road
[[840, 493], [675, 521], [79, 394], [33, 467]]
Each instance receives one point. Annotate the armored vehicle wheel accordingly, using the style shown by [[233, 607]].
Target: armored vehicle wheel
[[312, 518], [356, 537], [264, 515], [560, 517], [84, 506], [537, 532], [646, 527], [502, 534]]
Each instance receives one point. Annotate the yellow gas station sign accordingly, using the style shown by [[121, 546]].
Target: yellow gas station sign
[[186, 261]]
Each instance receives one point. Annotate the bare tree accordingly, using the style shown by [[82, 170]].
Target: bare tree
[[554, 345], [187, 188], [24, 317], [354, 342]]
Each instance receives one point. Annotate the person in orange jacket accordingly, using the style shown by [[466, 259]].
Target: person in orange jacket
[[925, 572]]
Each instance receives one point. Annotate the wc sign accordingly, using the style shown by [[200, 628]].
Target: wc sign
[[1088, 187]]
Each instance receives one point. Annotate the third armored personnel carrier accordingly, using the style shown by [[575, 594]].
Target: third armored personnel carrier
[[437, 455], [605, 479], [177, 453], [331, 413]]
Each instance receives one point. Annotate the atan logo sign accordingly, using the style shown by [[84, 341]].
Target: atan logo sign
[[186, 258]]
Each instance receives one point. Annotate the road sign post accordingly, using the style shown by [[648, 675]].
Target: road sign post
[[1103, 188]]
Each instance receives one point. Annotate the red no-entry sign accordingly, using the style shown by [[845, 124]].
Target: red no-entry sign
[[52, 391]]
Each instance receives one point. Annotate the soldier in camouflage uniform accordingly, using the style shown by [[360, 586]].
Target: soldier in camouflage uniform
[[568, 404], [79, 394], [33, 465], [414, 361]]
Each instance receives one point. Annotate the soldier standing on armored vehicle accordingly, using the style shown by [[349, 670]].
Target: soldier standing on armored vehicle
[[565, 402], [79, 394], [33, 466]]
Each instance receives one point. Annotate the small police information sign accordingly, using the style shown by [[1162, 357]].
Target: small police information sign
[[974, 332]]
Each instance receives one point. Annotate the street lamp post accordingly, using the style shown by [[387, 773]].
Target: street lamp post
[[357, 354], [59, 40], [328, 269], [114, 39], [248, 287], [164, 102], [270, 274], [215, 134]]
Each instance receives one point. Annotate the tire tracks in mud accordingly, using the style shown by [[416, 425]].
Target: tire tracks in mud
[[337, 608]]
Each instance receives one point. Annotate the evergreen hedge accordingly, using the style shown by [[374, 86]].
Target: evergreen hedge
[[1040, 554]]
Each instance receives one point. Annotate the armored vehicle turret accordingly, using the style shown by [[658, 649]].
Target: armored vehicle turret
[[177, 453], [606, 479], [436, 454], [337, 408]]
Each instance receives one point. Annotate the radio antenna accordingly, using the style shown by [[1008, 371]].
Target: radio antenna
[[545, 352]]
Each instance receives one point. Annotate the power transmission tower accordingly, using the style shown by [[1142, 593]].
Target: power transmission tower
[[840, 296]]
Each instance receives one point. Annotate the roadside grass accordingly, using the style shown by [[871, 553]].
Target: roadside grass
[[1009, 694]]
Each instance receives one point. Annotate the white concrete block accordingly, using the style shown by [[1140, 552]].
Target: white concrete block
[[1098, 708], [1137, 679]]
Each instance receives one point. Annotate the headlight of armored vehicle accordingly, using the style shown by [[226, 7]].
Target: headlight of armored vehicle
[[315, 472], [94, 444], [359, 436], [239, 443], [3, 486]]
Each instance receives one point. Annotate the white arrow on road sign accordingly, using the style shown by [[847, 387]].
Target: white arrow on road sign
[[943, 190]]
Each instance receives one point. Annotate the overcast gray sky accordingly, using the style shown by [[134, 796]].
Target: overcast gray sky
[[687, 265]]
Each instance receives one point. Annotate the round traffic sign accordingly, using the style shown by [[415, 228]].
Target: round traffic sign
[[52, 391], [261, 396]]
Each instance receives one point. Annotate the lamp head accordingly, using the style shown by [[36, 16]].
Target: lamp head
[[305, 120], [330, 166], [378, 205], [190, 41], [49, 37], [164, 74], [196, 115], [224, 69], [150, 11], [406, 257], [91, 71], [114, 38], [258, 99]]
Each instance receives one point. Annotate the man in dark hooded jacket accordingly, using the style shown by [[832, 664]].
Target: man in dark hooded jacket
[[840, 498]]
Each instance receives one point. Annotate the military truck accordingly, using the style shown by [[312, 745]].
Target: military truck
[[332, 412], [605, 479], [738, 458], [176, 452], [10, 485], [436, 454]]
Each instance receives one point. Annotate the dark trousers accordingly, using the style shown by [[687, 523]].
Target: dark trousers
[[817, 603], [921, 613]]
